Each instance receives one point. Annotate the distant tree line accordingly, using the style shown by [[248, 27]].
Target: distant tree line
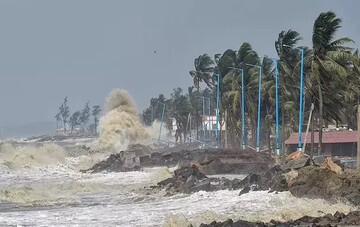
[[78, 120]]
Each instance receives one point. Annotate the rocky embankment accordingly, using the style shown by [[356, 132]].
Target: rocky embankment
[[310, 178], [304, 177], [338, 219], [189, 179], [213, 161]]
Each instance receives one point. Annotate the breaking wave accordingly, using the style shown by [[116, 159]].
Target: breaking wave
[[207, 207], [121, 125], [28, 156]]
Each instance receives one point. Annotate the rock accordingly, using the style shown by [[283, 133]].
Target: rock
[[250, 179], [329, 164], [354, 197], [291, 176], [212, 166], [211, 161], [245, 190], [297, 163], [318, 160], [202, 186], [167, 181], [353, 219], [186, 171], [191, 179]]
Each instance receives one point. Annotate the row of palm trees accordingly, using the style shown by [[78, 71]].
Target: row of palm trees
[[331, 81]]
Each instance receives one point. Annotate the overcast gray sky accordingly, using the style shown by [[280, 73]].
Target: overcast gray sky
[[84, 48]]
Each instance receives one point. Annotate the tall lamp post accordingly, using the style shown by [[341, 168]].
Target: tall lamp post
[[243, 136], [301, 95], [217, 110], [277, 149], [259, 107]]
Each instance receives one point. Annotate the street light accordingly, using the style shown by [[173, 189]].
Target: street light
[[203, 102], [301, 95], [277, 149], [162, 119], [242, 108], [259, 107]]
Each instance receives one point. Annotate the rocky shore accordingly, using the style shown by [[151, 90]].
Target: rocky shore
[[337, 219], [213, 161], [299, 174], [305, 178], [189, 179]]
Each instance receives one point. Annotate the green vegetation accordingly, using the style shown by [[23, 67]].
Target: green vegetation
[[332, 71]]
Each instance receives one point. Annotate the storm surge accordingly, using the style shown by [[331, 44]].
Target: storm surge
[[121, 126], [16, 157]]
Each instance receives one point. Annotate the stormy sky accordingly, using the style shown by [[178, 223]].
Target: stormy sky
[[84, 48]]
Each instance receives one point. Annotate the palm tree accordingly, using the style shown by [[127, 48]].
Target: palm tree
[[202, 73], [327, 60], [351, 93], [231, 87], [288, 64], [179, 109]]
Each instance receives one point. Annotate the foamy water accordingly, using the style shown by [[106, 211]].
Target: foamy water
[[57, 195], [43, 187]]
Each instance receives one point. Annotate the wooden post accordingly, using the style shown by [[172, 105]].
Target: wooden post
[[358, 142]]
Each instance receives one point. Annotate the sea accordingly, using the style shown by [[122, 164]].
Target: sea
[[41, 185]]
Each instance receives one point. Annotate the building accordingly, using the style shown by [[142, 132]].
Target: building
[[335, 143], [212, 126]]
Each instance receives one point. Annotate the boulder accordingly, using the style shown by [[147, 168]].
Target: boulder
[[329, 164], [318, 160], [245, 190], [296, 163], [183, 173], [202, 186]]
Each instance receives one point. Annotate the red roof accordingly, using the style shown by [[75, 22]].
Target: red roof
[[328, 137]]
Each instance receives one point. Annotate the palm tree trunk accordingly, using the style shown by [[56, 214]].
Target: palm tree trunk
[[269, 139], [312, 137], [282, 126], [253, 132], [196, 114], [321, 103], [64, 127]]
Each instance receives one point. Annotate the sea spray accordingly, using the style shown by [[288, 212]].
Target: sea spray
[[121, 126], [28, 156]]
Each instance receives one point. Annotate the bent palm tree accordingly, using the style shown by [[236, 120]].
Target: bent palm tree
[[202, 73], [327, 60]]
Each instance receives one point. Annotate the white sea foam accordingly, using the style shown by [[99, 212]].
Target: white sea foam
[[28, 156], [179, 210]]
